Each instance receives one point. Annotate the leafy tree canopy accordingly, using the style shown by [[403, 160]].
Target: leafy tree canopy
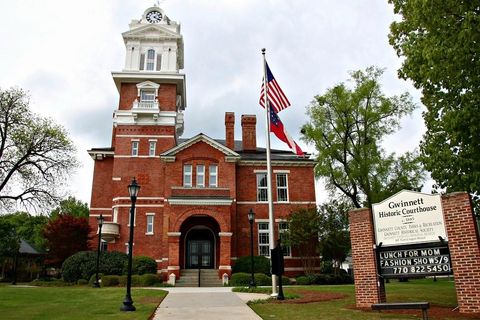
[[334, 231], [440, 43], [9, 239], [303, 228], [347, 126], [36, 154], [71, 206], [28, 227]]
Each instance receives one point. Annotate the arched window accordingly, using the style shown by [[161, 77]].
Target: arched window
[[150, 59]]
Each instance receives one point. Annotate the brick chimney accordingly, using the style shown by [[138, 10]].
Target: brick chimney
[[249, 134], [230, 130]]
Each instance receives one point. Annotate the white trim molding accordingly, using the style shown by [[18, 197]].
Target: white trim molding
[[225, 234], [174, 234], [200, 202]]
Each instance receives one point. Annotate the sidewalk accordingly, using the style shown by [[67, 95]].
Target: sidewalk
[[206, 303]]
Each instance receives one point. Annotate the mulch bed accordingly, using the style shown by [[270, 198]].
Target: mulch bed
[[434, 312]]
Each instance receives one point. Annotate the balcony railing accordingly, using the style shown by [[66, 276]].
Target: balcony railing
[[145, 104], [110, 231]]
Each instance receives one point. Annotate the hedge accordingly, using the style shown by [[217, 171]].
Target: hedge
[[82, 265], [242, 279], [142, 265], [244, 264], [343, 278], [145, 280]]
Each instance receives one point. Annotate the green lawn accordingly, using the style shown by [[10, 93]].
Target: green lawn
[[74, 303], [440, 293]]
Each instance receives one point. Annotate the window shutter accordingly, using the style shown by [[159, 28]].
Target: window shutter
[[142, 60], [159, 62]]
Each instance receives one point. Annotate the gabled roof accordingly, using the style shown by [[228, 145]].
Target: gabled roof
[[200, 138], [140, 32]]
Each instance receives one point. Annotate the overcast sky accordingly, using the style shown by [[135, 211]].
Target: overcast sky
[[63, 53]]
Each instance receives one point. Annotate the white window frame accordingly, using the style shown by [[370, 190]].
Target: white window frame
[[135, 147], [115, 215], [200, 177], [213, 176], [262, 191], [150, 224], [152, 147], [282, 229], [263, 239], [282, 188], [134, 217], [150, 61], [187, 175]]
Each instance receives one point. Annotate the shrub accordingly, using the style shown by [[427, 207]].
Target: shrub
[[82, 282], [148, 280], [303, 280], [50, 283], [243, 264], [122, 280], [240, 279], [285, 280], [262, 279], [93, 278], [110, 281], [83, 264], [142, 265], [136, 280]]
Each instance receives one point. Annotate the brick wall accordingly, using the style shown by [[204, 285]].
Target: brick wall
[[463, 242], [369, 288]]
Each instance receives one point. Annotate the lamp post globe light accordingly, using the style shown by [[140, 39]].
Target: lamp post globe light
[[251, 218], [100, 219], [133, 189]]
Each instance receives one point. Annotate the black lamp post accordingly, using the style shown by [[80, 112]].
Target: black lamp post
[[251, 218], [133, 189], [100, 219]]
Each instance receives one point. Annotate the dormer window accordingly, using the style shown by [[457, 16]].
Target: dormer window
[[147, 95], [153, 61]]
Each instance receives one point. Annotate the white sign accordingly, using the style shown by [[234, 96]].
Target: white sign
[[409, 217]]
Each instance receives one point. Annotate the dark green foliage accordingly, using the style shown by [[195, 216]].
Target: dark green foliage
[[9, 239], [93, 278], [82, 264], [243, 264], [304, 225], [438, 41], [109, 281], [262, 279], [51, 283], [334, 233], [240, 279], [342, 278], [82, 282], [148, 280], [28, 227], [142, 265]]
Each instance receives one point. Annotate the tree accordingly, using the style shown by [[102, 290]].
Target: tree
[[303, 236], [9, 244], [28, 227], [36, 154], [440, 43], [65, 235], [71, 206], [347, 127], [334, 232]]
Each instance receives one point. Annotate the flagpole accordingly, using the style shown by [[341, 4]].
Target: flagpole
[[271, 220]]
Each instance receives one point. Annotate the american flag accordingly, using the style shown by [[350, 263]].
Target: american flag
[[276, 126], [276, 97]]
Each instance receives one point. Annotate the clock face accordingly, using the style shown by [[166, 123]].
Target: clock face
[[154, 16]]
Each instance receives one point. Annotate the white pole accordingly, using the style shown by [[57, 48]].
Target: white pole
[[271, 220]]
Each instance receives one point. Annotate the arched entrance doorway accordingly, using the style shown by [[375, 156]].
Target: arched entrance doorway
[[199, 243], [200, 249]]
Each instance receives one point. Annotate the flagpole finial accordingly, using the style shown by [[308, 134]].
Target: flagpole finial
[[263, 51]]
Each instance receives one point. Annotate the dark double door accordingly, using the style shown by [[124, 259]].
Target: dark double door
[[200, 250]]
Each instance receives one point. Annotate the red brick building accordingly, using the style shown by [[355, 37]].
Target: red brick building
[[195, 192]]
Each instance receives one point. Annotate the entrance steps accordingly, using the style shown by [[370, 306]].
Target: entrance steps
[[208, 278]]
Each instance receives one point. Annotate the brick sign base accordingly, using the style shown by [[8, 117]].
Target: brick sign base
[[464, 247]]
